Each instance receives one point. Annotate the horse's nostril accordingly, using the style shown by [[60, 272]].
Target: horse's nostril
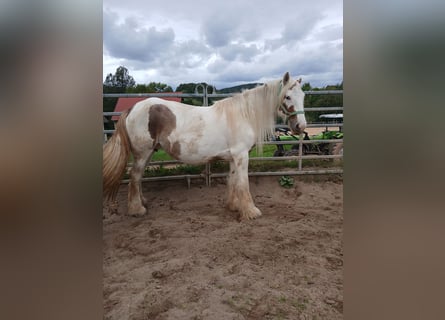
[[301, 127]]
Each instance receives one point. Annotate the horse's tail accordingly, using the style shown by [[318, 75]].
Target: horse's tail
[[115, 156]]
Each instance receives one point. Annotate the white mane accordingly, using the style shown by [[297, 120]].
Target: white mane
[[257, 106]]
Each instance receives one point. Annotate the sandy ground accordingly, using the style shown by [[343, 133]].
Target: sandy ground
[[314, 131], [190, 258]]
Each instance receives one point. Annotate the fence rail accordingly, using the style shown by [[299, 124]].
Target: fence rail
[[207, 174]]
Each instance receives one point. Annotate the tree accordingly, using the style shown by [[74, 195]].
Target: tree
[[306, 86], [152, 87], [331, 100], [120, 80]]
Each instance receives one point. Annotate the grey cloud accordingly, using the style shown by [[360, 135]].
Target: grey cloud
[[189, 54], [193, 47], [247, 41], [315, 64], [240, 52], [128, 41], [217, 66], [218, 30], [231, 24], [225, 72], [180, 59], [330, 33], [295, 30]]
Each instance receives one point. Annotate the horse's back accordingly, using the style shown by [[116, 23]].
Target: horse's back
[[152, 110], [146, 104]]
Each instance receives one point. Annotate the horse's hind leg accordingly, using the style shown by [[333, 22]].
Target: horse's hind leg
[[136, 201]]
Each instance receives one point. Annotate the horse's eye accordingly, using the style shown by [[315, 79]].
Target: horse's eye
[[287, 98]]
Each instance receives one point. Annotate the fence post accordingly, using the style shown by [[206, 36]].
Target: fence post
[[103, 127], [205, 103], [208, 175], [300, 151]]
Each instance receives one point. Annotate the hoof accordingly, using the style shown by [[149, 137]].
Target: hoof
[[137, 212], [250, 215], [113, 209], [144, 202], [231, 207]]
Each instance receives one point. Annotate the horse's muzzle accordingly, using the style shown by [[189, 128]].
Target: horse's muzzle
[[297, 129]]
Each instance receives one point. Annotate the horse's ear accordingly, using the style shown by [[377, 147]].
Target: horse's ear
[[286, 78], [299, 81]]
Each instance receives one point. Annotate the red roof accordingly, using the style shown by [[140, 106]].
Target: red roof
[[126, 103]]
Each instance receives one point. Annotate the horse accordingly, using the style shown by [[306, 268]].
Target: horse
[[227, 130]]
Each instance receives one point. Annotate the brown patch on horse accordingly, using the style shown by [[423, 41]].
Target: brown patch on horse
[[161, 123]]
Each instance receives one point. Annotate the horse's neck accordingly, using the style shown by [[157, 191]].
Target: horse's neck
[[262, 99], [255, 107], [265, 97]]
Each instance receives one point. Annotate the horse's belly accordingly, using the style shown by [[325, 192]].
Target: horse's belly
[[193, 146], [203, 156], [196, 152]]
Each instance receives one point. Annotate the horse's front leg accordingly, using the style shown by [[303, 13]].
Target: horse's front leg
[[232, 196], [244, 201]]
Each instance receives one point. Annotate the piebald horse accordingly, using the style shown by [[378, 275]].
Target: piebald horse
[[227, 130]]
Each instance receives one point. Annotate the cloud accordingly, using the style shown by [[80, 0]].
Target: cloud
[[129, 40], [240, 52], [330, 32], [295, 30], [224, 43], [218, 30]]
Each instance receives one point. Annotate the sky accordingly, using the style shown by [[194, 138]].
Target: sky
[[224, 43]]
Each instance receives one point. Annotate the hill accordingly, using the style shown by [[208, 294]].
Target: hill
[[239, 88]]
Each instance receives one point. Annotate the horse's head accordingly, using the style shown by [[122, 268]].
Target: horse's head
[[291, 104]]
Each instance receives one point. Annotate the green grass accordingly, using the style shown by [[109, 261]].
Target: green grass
[[268, 151], [176, 170], [161, 155]]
